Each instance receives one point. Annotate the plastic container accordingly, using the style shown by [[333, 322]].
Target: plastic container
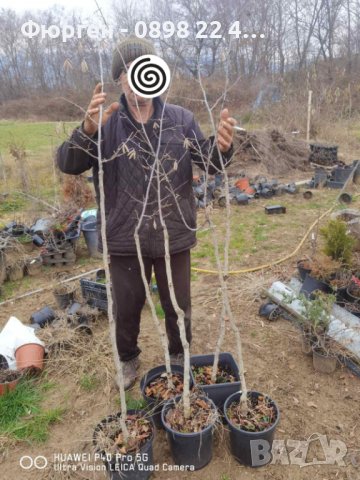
[[132, 466], [275, 209], [94, 293], [155, 407], [323, 154], [333, 184], [90, 232], [63, 300], [33, 266], [244, 450], [218, 393], [302, 271], [43, 317], [242, 199], [311, 284], [30, 355], [324, 363], [4, 365], [193, 449], [242, 184], [345, 198], [6, 387]]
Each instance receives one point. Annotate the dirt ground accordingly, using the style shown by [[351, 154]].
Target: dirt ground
[[310, 403]]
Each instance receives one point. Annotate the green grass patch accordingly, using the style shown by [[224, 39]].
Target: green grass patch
[[159, 311], [21, 414], [33, 135], [133, 403], [89, 382], [12, 204]]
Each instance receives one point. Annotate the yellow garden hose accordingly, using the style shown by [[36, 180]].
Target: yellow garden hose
[[268, 265]]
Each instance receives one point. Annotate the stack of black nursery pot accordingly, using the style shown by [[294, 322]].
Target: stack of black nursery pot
[[189, 427]]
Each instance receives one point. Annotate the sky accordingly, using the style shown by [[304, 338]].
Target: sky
[[86, 6]]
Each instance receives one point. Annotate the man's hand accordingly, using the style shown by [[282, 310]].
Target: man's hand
[[225, 133], [92, 114]]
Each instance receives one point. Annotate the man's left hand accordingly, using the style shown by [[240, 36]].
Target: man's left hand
[[225, 133]]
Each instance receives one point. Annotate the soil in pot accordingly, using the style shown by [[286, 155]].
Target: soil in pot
[[131, 460], [249, 430], [353, 292], [324, 361], [202, 375], [155, 389], [64, 296], [227, 380], [190, 438], [8, 380]]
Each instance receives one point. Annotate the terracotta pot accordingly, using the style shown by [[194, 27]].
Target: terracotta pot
[[8, 386], [30, 355], [242, 183]]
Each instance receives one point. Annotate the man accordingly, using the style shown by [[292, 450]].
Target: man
[[140, 124]]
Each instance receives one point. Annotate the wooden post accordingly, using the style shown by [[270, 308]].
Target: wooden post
[[309, 117]]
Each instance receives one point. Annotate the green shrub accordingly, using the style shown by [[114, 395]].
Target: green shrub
[[338, 244]]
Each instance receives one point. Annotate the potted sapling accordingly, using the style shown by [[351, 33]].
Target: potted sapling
[[317, 316], [124, 439], [323, 270]]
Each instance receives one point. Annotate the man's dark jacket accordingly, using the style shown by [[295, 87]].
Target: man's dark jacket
[[128, 172]]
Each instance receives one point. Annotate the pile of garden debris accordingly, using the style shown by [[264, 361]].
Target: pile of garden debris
[[269, 152]]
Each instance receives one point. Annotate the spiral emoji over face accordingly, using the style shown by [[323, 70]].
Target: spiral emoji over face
[[149, 76]]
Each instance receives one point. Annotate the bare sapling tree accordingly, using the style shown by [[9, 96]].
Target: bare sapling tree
[[112, 327], [223, 269]]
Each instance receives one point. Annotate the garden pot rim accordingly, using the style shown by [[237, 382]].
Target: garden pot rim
[[193, 359], [320, 352], [29, 343], [20, 374], [118, 415], [190, 434], [144, 379], [229, 400]]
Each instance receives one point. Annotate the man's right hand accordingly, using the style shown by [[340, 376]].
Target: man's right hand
[[91, 120]]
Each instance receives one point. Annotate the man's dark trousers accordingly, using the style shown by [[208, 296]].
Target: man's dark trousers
[[129, 299]]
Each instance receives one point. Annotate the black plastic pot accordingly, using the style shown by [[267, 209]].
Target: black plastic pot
[[219, 392], [64, 299], [43, 316], [302, 271], [37, 240], [192, 449], [137, 466], [311, 284], [154, 407], [350, 297], [251, 448], [74, 308], [3, 363], [90, 232]]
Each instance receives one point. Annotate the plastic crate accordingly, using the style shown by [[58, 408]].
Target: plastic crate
[[94, 293]]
